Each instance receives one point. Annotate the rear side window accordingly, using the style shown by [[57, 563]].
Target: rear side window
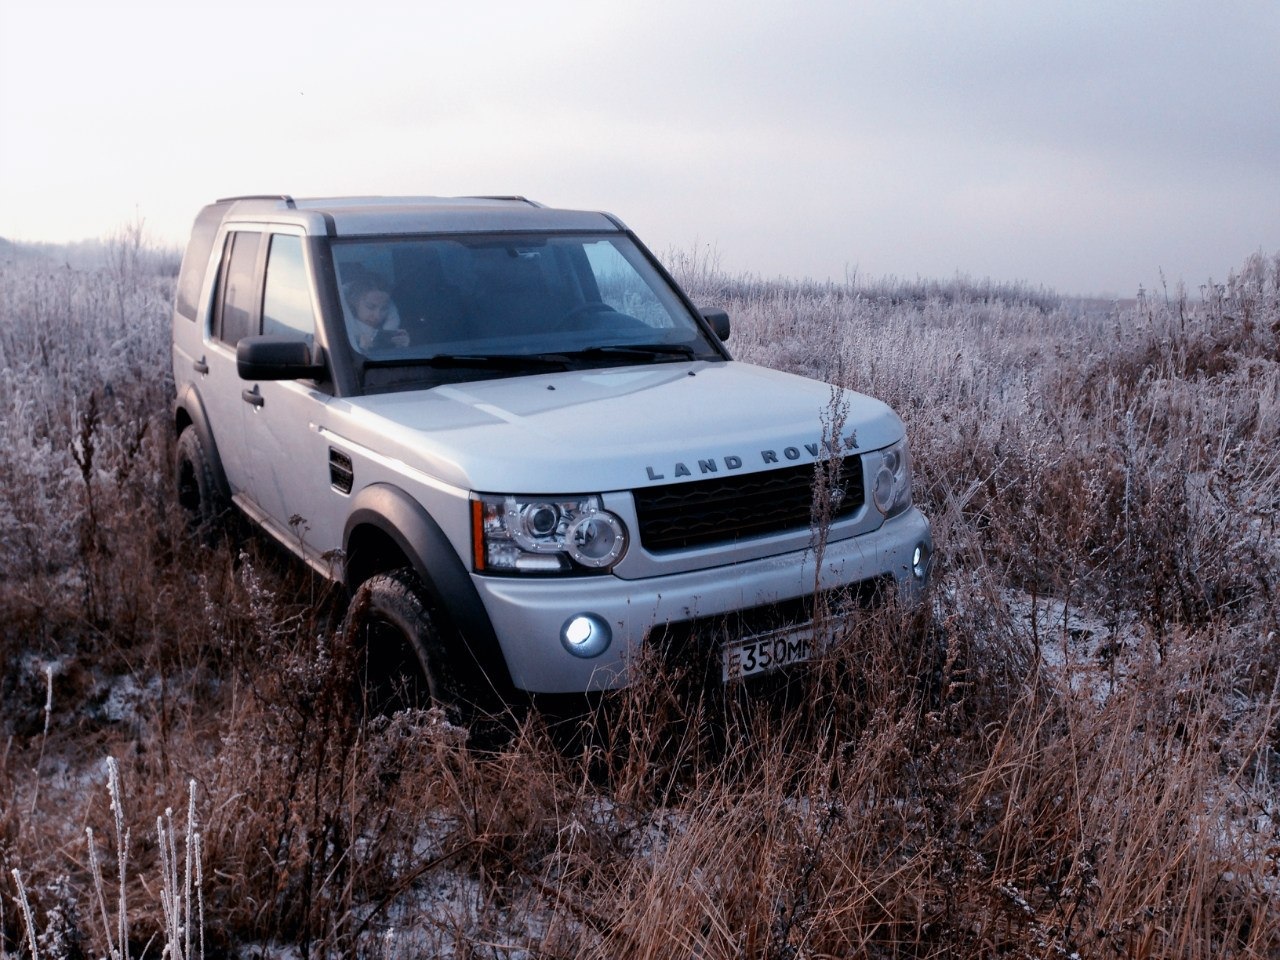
[[238, 314], [286, 301], [196, 259]]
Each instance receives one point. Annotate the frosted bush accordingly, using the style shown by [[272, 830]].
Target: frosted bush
[[84, 389], [1100, 424]]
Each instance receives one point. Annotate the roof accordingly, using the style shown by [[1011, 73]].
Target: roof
[[371, 216]]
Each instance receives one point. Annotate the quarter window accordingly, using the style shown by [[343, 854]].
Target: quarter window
[[196, 260]]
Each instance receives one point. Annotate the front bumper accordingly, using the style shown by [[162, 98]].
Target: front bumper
[[528, 615]]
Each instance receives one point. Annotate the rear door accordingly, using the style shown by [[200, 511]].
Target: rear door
[[235, 315]]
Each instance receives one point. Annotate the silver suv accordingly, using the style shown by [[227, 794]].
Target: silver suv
[[518, 444]]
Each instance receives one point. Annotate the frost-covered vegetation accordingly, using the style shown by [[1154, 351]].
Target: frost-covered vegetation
[[1075, 751]]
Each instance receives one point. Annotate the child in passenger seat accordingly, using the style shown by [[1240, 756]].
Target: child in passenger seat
[[372, 321]]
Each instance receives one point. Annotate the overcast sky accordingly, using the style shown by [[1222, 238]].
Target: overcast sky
[[1082, 146]]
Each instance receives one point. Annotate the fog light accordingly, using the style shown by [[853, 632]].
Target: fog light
[[920, 560], [586, 635]]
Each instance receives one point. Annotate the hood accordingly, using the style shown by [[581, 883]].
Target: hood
[[618, 428]]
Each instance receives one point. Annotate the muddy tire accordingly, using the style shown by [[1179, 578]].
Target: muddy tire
[[403, 659], [198, 492]]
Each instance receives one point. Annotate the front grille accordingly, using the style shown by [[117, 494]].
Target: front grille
[[725, 509]]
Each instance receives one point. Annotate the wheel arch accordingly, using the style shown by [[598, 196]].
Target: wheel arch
[[387, 529], [189, 414]]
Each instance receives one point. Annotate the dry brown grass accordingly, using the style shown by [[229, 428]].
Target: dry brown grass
[[1075, 750]]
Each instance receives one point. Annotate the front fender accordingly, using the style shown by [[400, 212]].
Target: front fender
[[405, 522]]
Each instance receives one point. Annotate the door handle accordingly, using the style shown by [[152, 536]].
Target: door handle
[[252, 397], [200, 366]]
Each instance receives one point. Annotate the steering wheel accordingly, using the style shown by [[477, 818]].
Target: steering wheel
[[575, 318]]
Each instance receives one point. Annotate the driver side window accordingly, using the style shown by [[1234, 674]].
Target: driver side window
[[286, 299], [237, 314]]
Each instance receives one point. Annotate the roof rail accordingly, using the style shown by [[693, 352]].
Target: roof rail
[[516, 197], [288, 200]]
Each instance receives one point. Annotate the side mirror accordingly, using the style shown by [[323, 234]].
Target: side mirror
[[718, 319], [276, 357]]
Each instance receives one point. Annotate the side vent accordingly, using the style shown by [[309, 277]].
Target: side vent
[[340, 473]]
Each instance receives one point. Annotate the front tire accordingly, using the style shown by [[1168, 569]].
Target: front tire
[[403, 659]]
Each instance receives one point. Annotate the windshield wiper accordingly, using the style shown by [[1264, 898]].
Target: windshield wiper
[[655, 352], [497, 361]]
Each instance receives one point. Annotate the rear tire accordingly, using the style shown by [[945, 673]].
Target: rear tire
[[198, 492]]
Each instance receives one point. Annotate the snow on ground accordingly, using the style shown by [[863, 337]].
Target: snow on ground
[[1093, 656], [1087, 651]]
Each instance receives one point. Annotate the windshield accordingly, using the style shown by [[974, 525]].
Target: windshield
[[419, 311]]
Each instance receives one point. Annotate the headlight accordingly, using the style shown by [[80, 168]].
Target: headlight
[[891, 478], [545, 535]]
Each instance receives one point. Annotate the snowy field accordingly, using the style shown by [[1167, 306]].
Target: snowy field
[[1074, 751]]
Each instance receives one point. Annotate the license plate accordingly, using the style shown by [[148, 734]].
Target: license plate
[[768, 651]]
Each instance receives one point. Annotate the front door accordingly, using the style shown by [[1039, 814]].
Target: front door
[[291, 476]]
